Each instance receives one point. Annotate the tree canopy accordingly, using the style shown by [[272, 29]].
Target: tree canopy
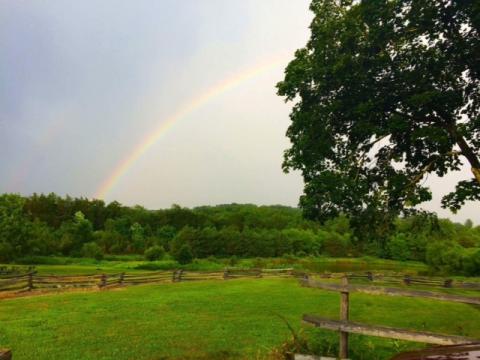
[[39, 228], [385, 92]]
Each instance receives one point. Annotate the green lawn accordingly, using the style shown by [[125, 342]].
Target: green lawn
[[207, 320]]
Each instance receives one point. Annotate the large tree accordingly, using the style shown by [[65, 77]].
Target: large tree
[[385, 92]]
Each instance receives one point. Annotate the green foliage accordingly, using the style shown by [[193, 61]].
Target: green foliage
[[165, 235], [450, 258], [73, 234], [155, 252], [445, 256], [336, 237], [51, 225], [92, 250], [232, 261], [158, 265], [14, 227], [42, 240], [335, 244], [185, 237], [46, 260], [7, 252], [114, 264], [386, 93], [398, 247], [226, 231], [471, 262], [137, 234], [298, 241], [112, 241], [184, 254]]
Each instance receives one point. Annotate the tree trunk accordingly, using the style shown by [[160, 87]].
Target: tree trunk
[[466, 151], [476, 173]]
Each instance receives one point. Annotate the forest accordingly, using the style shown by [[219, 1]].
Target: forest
[[50, 225]]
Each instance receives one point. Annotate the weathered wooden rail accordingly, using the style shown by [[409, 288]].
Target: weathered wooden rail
[[379, 290], [344, 326], [29, 281], [400, 279], [5, 354], [386, 331], [32, 281]]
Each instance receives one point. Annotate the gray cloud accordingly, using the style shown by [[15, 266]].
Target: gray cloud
[[83, 82]]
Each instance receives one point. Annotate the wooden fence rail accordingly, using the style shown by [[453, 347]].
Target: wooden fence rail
[[386, 332], [5, 354], [344, 326], [31, 280], [379, 290], [403, 279]]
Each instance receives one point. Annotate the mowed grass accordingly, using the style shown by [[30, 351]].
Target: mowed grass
[[235, 319]]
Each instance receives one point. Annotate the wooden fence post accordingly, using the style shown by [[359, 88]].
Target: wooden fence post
[[30, 281], [407, 280], [103, 281], [121, 278], [448, 283], [344, 305], [177, 275], [225, 274], [370, 276], [5, 354]]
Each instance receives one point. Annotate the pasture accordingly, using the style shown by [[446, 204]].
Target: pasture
[[235, 319], [55, 265]]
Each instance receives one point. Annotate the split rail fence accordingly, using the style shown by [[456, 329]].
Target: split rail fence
[[368, 283], [344, 326], [18, 283]]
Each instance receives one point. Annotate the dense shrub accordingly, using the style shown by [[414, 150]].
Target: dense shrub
[[92, 250], [155, 252], [449, 257], [335, 244], [7, 253], [445, 256], [233, 261], [300, 241], [186, 236], [471, 262], [398, 247], [184, 255]]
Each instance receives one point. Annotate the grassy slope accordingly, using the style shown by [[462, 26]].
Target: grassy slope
[[204, 320]]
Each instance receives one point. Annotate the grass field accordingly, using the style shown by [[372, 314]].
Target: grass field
[[116, 264], [234, 319]]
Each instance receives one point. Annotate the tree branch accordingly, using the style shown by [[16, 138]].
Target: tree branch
[[466, 150], [429, 165]]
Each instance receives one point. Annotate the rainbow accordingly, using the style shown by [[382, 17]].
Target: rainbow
[[143, 146]]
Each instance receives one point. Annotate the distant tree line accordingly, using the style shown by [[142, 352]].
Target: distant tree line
[[42, 225]]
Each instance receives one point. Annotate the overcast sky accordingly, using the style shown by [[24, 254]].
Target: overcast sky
[[82, 83]]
